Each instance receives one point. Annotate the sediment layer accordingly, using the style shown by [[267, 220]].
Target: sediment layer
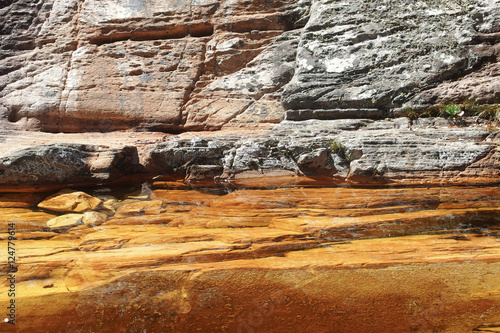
[[171, 258]]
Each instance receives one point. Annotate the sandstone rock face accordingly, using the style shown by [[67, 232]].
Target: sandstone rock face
[[65, 163], [246, 222], [104, 65], [173, 65], [367, 59]]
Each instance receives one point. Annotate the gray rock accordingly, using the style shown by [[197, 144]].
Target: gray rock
[[389, 152], [66, 163], [177, 156], [379, 57], [313, 127], [361, 150], [44, 164], [317, 161]]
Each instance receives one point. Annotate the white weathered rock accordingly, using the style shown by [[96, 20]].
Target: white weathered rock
[[93, 219], [65, 221], [379, 57]]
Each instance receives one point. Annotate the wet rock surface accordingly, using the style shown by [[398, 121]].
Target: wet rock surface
[[70, 201], [297, 250], [251, 166]]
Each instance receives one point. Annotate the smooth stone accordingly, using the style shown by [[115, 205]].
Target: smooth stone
[[70, 201], [65, 221]]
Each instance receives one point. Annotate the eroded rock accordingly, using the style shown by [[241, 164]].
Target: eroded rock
[[93, 219], [362, 151], [172, 66], [70, 201], [65, 221], [66, 163], [367, 59], [161, 65]]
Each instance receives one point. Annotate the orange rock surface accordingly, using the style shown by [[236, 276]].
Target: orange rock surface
[[295, 258]]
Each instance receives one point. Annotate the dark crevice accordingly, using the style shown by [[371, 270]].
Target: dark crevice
[[13, 117], [488, 38], [4, 70], [201, 30], [5, 3]]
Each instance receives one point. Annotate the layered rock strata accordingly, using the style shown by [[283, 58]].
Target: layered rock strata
[[246, 222], [174, 66], [171, 65], [170, 259], [353, 151], [372, 59]]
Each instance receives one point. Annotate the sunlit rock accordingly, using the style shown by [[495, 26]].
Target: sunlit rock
[[65, 221], [93, 219], [70, 201]]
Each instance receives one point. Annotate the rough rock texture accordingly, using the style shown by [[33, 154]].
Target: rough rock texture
[[365, 59], [65, 163], [360, 152], [104, 65], [213, 213], [375, 152], [173, 65]]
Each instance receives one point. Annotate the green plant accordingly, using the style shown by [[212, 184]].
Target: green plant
[[469, 106], [452, 111], [411, 114], [427, 113], [338, 148], [272, 143]]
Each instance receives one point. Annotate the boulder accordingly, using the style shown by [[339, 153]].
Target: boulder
[[93, 219], [65, 221], [70, 201], [63, 163], [316, 161]]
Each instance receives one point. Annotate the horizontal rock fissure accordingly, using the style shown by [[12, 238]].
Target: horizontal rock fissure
[[335, 114], [173, 33]]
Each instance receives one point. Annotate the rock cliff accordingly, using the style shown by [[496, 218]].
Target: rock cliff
[[245, 66], [251, 165], [90, 65]]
